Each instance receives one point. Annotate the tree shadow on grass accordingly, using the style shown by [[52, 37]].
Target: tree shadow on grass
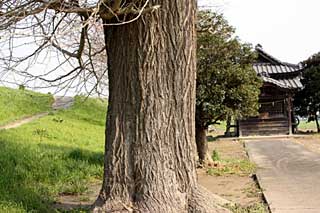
[[84, 155], [15, 191], [30, 173], [78, 154]]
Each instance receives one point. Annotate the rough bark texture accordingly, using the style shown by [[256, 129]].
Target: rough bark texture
[[202, 143], [228, 133], [150, 148], [201, 136]]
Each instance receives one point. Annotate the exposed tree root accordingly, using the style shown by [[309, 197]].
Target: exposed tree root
[[201, 201], [101, 206]]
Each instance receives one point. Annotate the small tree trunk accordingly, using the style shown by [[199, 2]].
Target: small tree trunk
[[202, 143], [317, 122], [227, 133], [150, 149]]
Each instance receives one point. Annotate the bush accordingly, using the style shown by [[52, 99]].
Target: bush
[[215, 155]]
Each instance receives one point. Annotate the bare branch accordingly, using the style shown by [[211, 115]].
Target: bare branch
[[61, 42]]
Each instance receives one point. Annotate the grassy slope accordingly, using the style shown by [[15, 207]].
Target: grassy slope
[[15, 104], [57, 154]]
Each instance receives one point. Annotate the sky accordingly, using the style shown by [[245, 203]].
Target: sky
[[286, 29]]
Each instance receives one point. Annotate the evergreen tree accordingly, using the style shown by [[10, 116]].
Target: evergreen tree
[[227, 84], [307, 100]]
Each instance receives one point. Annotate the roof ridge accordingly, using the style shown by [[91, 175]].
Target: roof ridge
[[266, 55], [296, 66], [273, 59]]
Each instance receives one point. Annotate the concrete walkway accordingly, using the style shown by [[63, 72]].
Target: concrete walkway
[[62, 102], [288, 174]]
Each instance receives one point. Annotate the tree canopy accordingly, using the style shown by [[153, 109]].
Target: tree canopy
[[307, 100], [227, 85]]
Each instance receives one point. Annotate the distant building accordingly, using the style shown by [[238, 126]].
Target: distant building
[[280, 82]]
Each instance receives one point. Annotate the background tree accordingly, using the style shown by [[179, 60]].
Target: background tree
[[307, 100], [150, 148], [227, 85]]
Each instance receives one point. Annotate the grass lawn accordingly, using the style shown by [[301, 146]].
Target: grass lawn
[[241, 167], [56, 155], [307, 126], [15, 104], [231, 176], [62, 154], [236, 164]]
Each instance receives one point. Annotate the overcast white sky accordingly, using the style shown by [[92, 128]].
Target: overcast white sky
[[287, 29]]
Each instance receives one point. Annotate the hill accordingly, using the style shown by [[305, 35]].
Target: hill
[[15, 104], [60, 154]]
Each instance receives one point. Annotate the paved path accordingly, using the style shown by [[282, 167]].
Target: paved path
[[59, 103], [62, 102], [288, 174]]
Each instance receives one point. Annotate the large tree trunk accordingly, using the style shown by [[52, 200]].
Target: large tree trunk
[[150, 148]]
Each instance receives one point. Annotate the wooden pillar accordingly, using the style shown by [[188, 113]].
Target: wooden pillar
[[240, 126], [289, 109]]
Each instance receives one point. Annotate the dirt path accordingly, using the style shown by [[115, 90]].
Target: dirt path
[[24, 120], [58, 104], [238, 189]]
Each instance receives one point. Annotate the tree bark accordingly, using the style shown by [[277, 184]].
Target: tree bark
[[150, 148], [202, 143], [201, 136], [227, 133]]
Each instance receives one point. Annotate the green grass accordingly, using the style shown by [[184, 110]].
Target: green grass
[[58, 154], [15, 104], [221, 126], [215, 155], [230, 166], [254, 208], [304, 126]]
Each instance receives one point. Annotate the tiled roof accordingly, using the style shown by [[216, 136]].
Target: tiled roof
[[275, 69], [275, 82], [276, 72], [294, 83]]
